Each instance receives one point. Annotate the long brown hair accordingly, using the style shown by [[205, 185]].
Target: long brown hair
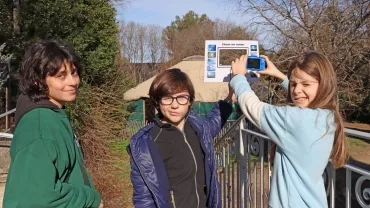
[[319, 67]]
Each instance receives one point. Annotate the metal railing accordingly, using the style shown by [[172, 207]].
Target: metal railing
[[5, 135], [242, 153]]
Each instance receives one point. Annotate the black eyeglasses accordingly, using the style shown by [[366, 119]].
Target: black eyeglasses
[[181, 99]]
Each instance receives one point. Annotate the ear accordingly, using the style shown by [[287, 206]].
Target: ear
[[191, 104]]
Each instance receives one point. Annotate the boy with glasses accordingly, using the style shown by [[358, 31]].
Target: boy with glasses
[[172, 159]]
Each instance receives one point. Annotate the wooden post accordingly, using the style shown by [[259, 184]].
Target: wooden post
[[7, 96], [6, 106], [17, 31], [16, 8]]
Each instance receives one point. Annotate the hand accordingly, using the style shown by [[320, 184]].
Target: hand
[[271, 69], [238, 66], [101, 204]]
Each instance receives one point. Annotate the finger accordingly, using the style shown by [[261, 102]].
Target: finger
[[265, 57]]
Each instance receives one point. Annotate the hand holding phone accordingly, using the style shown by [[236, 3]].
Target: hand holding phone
[[255, 63]]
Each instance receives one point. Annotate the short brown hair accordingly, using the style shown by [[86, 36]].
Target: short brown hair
[[168, 82]]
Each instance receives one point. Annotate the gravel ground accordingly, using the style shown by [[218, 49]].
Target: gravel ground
[[4, 165], [1, 195]]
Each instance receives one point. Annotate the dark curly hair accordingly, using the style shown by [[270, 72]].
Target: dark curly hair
[[44, 58]]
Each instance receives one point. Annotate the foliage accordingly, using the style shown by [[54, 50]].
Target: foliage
[[98, 114], [185, 36], [98, 118], [4, 63], [89, 26], [5, 20]]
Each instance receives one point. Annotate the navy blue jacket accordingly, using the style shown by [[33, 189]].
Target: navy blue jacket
[[148, 173]]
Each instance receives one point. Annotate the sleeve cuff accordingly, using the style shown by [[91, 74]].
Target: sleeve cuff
[[285, 83], [97, 199]]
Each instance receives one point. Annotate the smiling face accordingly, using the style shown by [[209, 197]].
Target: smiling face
[[303, 88], [175, 107], [63, 85]]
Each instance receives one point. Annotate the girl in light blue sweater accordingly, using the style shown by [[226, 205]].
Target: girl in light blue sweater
[[307, 133]]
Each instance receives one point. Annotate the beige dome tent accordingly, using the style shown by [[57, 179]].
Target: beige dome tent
[[193, 66], [206, 93]]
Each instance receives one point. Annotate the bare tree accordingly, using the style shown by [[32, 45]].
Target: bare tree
[[157, 49], [227, 30], [191, 41], [4, 65], [337, 28], [186, 36], [142, 48], [129, 47], [4, 80]]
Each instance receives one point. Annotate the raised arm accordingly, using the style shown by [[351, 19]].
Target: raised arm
[[270, 119], [273, 71], [218, 116]]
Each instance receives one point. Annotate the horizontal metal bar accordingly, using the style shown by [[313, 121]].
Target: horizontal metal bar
[[232, 128], [256, 134], [357, 170], [6, 135], [356, 133], [7, 113], [243, 174]]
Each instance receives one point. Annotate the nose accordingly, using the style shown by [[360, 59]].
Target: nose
[[297, 89], [174, 104], [73, 80]]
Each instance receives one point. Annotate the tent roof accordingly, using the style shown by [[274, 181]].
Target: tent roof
[[194, 68]]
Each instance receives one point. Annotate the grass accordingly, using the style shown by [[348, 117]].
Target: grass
[[359, 149], [357, 143], [123, 167], [357, 146]]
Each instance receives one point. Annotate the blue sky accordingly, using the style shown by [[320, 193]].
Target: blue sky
[[162, 12]]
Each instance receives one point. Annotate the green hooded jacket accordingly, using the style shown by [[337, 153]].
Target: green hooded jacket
[[46, 168]]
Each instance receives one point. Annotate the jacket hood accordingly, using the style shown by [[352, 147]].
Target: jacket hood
[[25, 104]]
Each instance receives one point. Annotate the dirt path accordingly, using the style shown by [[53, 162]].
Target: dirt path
[[1, 194], [4, 165], [358, 126]]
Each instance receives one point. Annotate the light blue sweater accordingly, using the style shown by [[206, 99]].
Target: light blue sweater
[[304, 139]]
